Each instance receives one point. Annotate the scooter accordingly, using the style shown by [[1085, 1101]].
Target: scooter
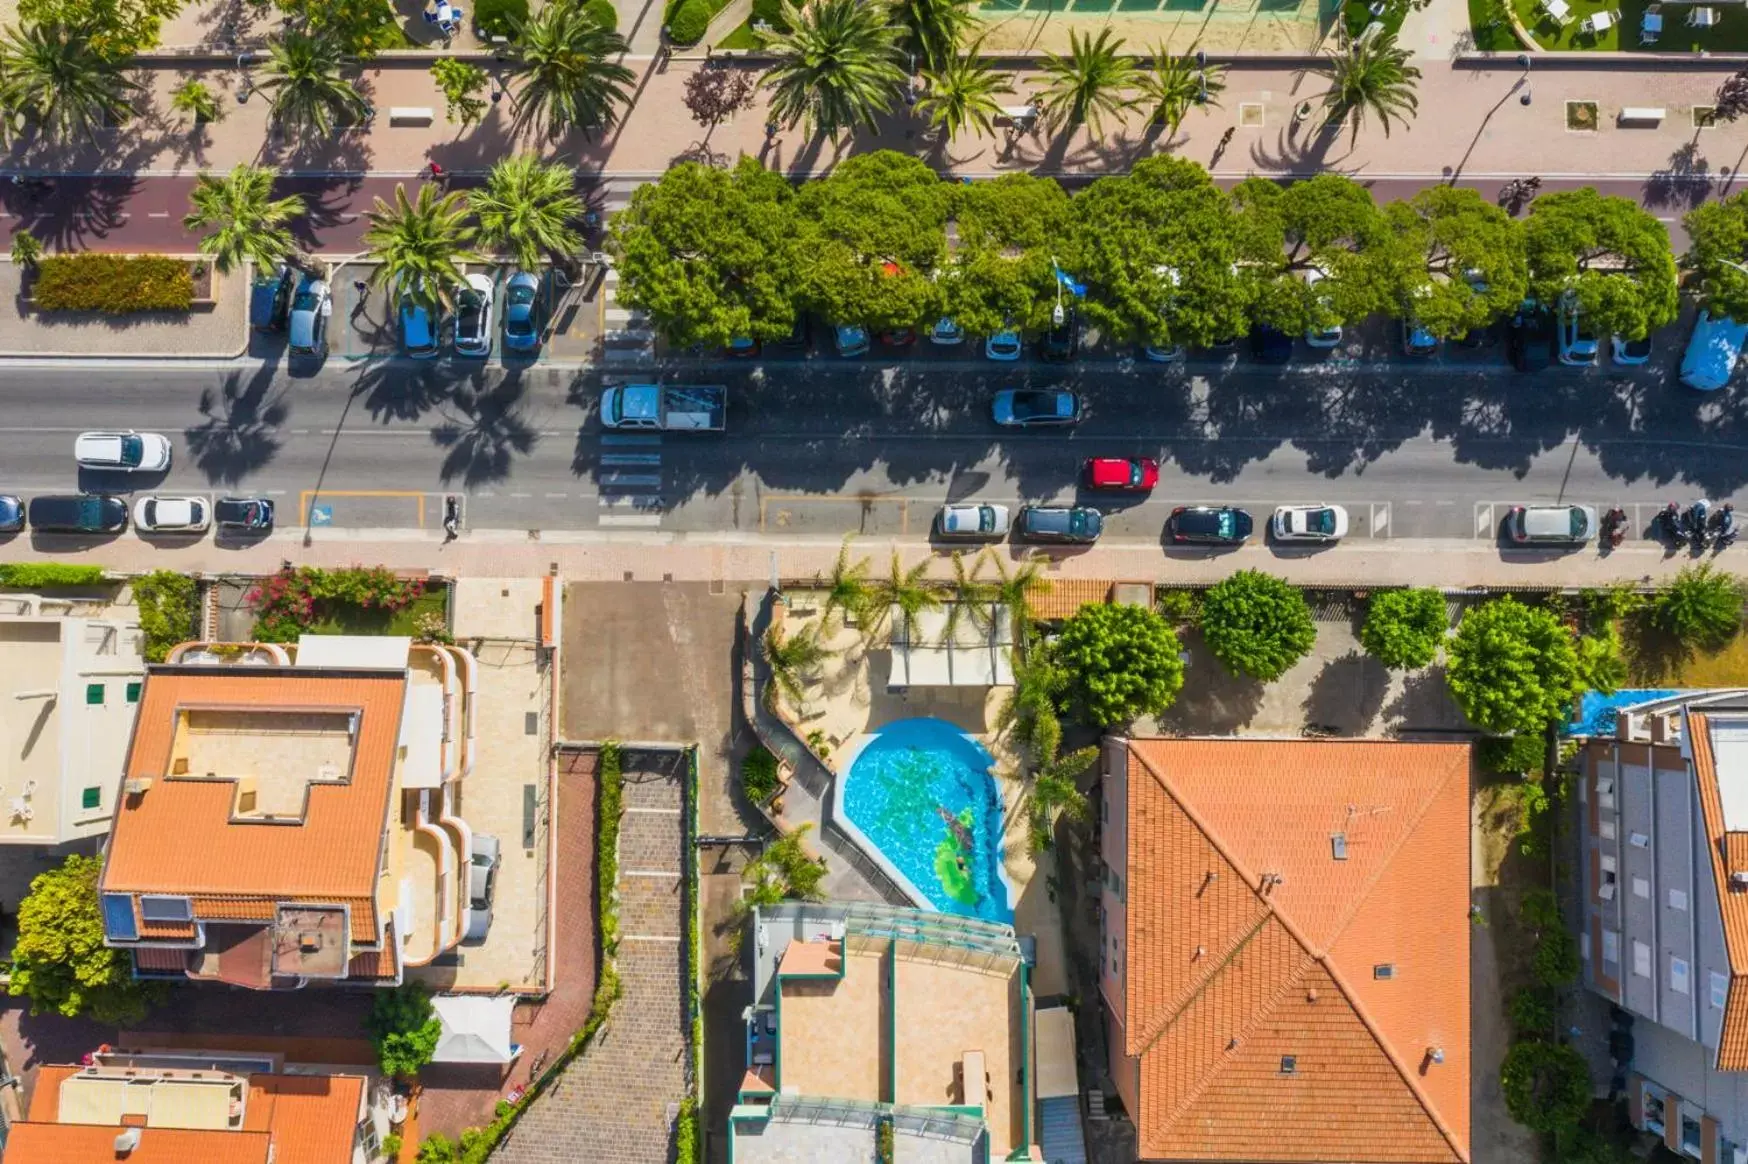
[[1698, 522], [1726, 526], [1669, 524], [1614, 526], [451, 518]]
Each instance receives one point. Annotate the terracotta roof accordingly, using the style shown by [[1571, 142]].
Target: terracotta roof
[[379, 964], [312, 1118], [156, 960], [1067, 595], [1724, 847], [85, 1143], [1228, 979], [177, 836], [166, 931]]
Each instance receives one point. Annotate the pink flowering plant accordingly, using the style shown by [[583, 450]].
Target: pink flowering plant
[[295, 601]]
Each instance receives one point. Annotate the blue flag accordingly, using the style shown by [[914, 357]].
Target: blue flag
[[1078, 290]]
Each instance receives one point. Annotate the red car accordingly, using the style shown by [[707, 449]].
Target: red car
[[1139, 473]]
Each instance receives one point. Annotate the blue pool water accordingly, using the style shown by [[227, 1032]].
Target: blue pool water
[[895, 792], [1595, 714]]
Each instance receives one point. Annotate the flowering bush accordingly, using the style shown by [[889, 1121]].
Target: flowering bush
[[292, 601]]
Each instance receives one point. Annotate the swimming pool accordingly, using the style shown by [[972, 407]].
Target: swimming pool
[[920, 794]]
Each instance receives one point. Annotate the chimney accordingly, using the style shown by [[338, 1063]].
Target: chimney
[[127, 1141]]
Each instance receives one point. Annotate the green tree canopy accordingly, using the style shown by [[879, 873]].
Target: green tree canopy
[[1610, 253], [963, 92], [1455, 261], [530, 209], [1701, 609], [1088, 83], [1546, 1085], [117, 28], [1257, 624], [567, 66], [404, 1028], [1159, 250], [361, 28], [874, 233], [241, 218], [60, 962], [1513, 668], [421, 245], [1000, 273], [1371, 76], [1328, 226], [1120, 662], [302, 80], [1717, 235], [1405, 628], [711, 254]]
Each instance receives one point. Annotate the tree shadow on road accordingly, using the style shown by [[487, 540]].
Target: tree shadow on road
[[484, 432], [390, 390], [240, 432]]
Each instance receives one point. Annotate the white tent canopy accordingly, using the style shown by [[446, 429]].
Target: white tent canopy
[[977, 652], [476, 1029]]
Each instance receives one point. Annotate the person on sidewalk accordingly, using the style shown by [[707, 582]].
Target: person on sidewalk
[[360, 297], [434, 172]]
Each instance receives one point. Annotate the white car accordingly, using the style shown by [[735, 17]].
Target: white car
[[127, 451], [972, 521], [161, 514], [1309, 523], [1579, 346], [1004, 345], [473, 317]]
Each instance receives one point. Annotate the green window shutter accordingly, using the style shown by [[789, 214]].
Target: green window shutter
[[133, 692], [93, 693], [91, 798]]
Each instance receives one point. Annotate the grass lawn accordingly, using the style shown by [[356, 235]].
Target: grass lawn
[[742, 37], [1725, 668], [1730, 34], [1490, 36], [353, 620]]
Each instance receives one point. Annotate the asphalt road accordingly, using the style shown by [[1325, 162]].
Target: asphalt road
[[824, 448]]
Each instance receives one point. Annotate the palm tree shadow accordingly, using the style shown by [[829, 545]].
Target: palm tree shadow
[[485, 432], [240, 432], [392, 393], [1302, 153], [324, 208], [1683, 183]]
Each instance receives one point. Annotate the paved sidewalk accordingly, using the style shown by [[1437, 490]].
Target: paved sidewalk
[[743, 559]]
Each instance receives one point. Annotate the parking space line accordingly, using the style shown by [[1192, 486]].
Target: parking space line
[[1381, 519], [1483, 518]]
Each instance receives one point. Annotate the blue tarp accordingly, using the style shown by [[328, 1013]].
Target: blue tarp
[[1596, 711]]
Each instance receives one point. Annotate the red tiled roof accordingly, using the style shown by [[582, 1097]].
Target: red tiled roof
[[1065, 596], [1249, 943], [37, 1143], [159, 961]]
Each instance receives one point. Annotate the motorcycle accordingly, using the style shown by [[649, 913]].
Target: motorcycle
[[1614, 526], [451, 518], [1698, 522], [1669, 524], [1726, 526]]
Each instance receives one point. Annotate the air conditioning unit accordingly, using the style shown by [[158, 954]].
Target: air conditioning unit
[[127, 1141], [135, 785]]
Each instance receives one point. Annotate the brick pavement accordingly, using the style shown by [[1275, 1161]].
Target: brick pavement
[[615, 1103]]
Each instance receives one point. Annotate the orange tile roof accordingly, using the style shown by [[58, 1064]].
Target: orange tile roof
[[1067, 595], [1724, 847], [312, 1118], [84, 1143], [1225, 976], [160, 961], [177, 837], [166, 931]]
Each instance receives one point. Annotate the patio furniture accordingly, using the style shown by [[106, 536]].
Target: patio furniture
[[1559, 10], [1702, 17], [1651, 26]]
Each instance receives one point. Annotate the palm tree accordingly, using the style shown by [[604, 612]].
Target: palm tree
[[53, 76], [1030, 708], [1373, 76], [837, 66], [1175, 85], [960, 94], [906, 589], [972, 596], [421, 247], [847, 589], [304, 87], [568, 65], [784, 871], [792, 659], [934, 28], [1015, 591], [242, 217], [1088, 83], [530, 209], [1054, 790]]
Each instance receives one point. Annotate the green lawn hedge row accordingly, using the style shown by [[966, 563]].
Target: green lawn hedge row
[[44, 575], [113, 284]]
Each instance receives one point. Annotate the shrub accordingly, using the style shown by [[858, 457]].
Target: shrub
[[46, 575], [1182, 607], [686, 1133], [758, 775], [1555, 960], [1546, 1085], [289, 602], [60, 962], [691, 22], [1540, 910], [391, 1146], [26, 250], [1531, 1011], [166, 602], [112, 284], [1513, 668], [1404, 628], [1702, 608], [603, 13], [1512, 755], [1257, 624], [499, 17], [770, 12], [1120, 661], [404, 1028]]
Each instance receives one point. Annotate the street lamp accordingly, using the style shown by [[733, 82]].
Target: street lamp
[[1056, 313], [1202, 77], [247, 87]]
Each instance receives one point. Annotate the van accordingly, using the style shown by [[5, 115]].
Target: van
[[1712, 352]]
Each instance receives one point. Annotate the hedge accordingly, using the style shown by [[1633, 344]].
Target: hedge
[[603, 13], [499, 17], [691, 22], [44, 575], [113, 284], [166, 602], [770, 12]]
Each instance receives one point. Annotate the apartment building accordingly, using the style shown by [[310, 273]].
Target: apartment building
[[292, 815], [1663, 812]]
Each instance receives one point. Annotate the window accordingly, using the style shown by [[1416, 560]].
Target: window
[[1641, 959], [1690, 1136], [1678, 975], [118, 917], [1641, 887], [1289, 1064], [1606, 829], [158, 907], [1608, 864], [1678, 899], [1720, 990], [93, 694], [1611, 946], [133, 692], [91, 798], [1384, 970], [1605, 794], [1638, 840]]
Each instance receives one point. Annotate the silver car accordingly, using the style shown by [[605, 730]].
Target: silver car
[[972, 522], [482, 879], [1565, 525], [125, 450]]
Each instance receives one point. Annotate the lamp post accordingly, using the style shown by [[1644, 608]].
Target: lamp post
[[1202, 77], [1056, 313], [1526, 96]]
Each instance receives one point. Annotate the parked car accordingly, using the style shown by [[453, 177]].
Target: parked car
[[1417, 342], [1630, 352], [800, 336], [1214, 525], [78, 513], [1137, 474], [419, 329], [972, 521], [1030, 407], [851, 339], [1005, 345], [1712, 352], [473, 317], [249, 514], [1570, 525], [168, 514], [898, 337], [482, 882], [1321, 305], [11, 513], [1163, 353], [1061, 523], [310, 308], [946, 333], [270, 298], [1579, 347], [1271, 345], [522, 321], [1062, 342], [741, 347], [125, 451], [1309, 523], [1531, 342]]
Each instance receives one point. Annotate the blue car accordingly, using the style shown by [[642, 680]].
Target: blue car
[[522, 313], [11, 513], [418, 331]]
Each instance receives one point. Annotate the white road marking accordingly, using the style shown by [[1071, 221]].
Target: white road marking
[[638, 520]]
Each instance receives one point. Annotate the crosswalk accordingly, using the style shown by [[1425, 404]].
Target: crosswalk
[[629, 478], [627, 340]]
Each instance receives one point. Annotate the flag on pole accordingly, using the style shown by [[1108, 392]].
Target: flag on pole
[[1078, 290]]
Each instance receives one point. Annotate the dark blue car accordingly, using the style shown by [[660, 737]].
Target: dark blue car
[[11, 513]]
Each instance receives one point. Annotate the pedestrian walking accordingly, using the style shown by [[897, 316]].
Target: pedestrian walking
[[434, 172], [360, 297]]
